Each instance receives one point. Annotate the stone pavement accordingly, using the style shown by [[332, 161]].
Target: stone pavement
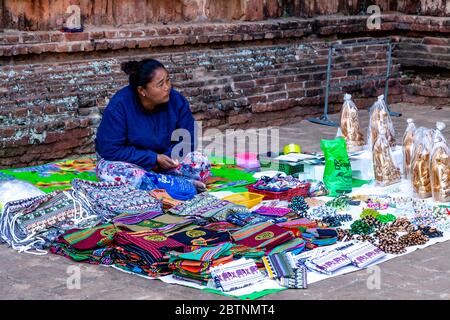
[[423, 274]]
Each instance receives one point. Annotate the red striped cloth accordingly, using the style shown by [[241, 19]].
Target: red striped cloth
[[262, 235], [150, 241]]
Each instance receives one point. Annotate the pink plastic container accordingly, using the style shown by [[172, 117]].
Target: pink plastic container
[[248, 160]]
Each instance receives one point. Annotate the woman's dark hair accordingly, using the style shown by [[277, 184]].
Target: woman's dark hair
[[141, 72]]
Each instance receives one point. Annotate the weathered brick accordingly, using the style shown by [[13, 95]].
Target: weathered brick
[[95, 35], [244, 84], [76, 36], [144, 43], [257, 99], [276, 96]]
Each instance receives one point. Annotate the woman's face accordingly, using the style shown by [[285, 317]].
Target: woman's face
[[157, 91]]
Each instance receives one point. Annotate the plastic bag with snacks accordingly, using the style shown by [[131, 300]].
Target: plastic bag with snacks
[[379, 117], [420, 163], [385, 170], [440, 166], [408, 140], [350, 125]]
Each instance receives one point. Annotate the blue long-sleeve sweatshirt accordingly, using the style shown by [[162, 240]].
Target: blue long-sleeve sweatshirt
[[129, 133]]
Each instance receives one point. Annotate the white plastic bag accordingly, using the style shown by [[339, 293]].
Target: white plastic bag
[[12, 190]]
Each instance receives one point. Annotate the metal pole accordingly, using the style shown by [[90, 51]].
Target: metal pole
[[327, 89], [324, 118], [388, 73], [386, 85]]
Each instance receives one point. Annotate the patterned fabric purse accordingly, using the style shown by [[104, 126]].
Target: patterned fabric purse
[[263, 235], [30, 225], [207, 206], [109, 199]]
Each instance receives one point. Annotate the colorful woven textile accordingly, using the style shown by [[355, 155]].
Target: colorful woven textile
[[194, 266], [153, 225], [201, 237], [98, 256], [90, 238], [199, 267], [262, 235], [297, 281], [295, 245], [272, 211], [207, 206], [247, 252], [109, 199], [363, 254], [317, 237], [133, 259], [278, 266], [221, 226], [154, 243], [126, 218], [329, 262], [198, 278], [302, 222], [167, 201], [195, 166], [236, 274], [91, 244], [35, 222], [170, 218], [245, 218], [203, 254], [144, 252]]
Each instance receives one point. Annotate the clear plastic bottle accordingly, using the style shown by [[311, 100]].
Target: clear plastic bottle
[[408, 140], [440, 166]]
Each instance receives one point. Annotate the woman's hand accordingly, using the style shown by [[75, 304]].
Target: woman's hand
[[165, 162], [200, 186]]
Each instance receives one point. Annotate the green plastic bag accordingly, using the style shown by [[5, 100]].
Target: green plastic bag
[[338, 172]]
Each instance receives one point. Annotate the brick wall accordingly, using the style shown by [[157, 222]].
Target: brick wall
[[423, 52], [41, 15], [54, 85]]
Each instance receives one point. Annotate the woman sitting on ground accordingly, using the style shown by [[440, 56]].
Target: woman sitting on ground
[[134, 136]]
